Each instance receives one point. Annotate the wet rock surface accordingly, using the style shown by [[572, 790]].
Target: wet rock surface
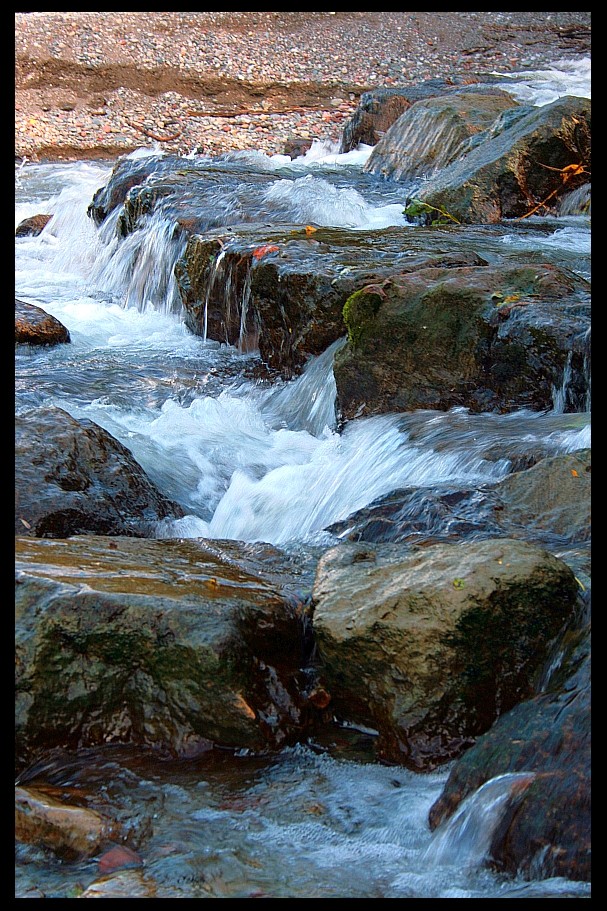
[[71, 832], [486, 338], [73, 477], [180, 645], [34, 326], [518, 168], [32, 227], [548, 736], [431, 647], [436, 131]]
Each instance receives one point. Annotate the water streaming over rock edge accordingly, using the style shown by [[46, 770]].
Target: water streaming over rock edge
[[135, 370]]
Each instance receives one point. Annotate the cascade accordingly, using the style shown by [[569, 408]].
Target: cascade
[[465, 838]]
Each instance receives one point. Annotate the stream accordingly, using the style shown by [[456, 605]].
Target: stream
[[256, 463]]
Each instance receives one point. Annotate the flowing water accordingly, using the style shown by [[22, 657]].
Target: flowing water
[[257, 463]]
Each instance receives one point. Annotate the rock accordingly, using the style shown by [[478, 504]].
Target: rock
[[177, 645], [33, 326], [120, 857], [72, 832], [294, 282], [554, 496], [380, 108], [293, 310], [127, 173], [551, 500], [430, 648], [517, 167], [32, 226], [435, 132], [296, 147], [488, 338], [72, 477], [549, 736], [123, 884]]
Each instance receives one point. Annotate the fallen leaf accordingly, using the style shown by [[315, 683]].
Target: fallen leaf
[[264, 250], [310, 230], [458, 583], [27, 524], [574, 473]]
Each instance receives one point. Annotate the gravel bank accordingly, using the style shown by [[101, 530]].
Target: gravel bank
[[98, 85]]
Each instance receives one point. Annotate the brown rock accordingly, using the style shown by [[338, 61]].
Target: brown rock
[[70, 831], [123, 884], [32, 226], [120, 857], [33, 326]]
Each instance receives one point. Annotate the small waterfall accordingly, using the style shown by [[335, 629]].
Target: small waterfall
[[215, 277], [564, 397], [307, 403], [559, 396], [577, 202], [464, 840], [139, 268], [433, 139], [247, 341]]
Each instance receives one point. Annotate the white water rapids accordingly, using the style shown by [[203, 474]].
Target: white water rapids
[[257, 464]]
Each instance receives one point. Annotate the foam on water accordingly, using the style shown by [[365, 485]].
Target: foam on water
[[540, 87]]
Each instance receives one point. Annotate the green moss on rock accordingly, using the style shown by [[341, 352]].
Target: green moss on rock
[[359, 313]]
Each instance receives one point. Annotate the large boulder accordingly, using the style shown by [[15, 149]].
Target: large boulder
[[429, 648], [547, 832], [435, 132], [126, 174], [285, 290], [34, 326], [73, 477], [379, 108], [519, 166], [488, 338], [177, 645]]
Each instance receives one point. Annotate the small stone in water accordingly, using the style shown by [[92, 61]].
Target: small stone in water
[[119, 858]]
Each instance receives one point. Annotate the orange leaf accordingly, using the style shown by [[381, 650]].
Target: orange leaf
[[310, 230], [264, 250], [572, 170], [574, 473]]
